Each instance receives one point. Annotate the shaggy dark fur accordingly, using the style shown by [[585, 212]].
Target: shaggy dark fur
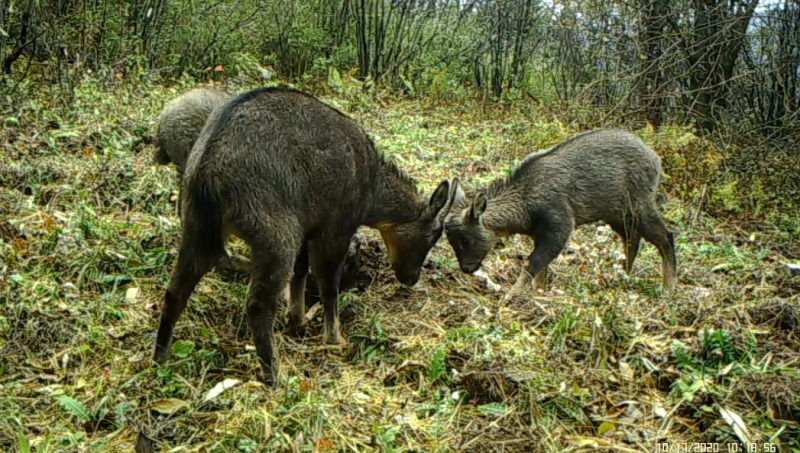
[[294, 178]]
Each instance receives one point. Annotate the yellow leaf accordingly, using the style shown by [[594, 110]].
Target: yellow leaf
[[169, 406], [626, 371]]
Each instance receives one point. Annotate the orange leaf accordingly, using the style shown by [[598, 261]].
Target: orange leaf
[[305, 386], [49, 223], [325, 445], [20, 247]]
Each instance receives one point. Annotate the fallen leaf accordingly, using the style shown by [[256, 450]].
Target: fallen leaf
[[631, 415], [169, 406], [651, 367], [735, 421], [131, 295], [625, 371], [221, 387], [607, 426], [50, 388], [313, 311], [727, 369], [615, 412]]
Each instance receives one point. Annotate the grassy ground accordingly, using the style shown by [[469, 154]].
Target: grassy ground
[[89, 234]]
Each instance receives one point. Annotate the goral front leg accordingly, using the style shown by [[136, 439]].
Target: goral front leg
[[548, 246]]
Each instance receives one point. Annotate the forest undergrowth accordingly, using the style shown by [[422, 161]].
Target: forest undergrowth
[[89, 234]]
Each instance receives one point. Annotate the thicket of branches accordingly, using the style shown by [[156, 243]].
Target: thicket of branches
[[721, 65]]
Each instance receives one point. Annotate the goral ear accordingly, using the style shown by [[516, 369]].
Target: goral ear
[[478, 207], [438, 200], [451, 196], [458, 199]]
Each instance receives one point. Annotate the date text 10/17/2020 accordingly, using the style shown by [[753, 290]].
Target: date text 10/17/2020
[[715, 447]]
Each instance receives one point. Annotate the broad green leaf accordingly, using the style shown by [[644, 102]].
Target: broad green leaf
[[182, 349]]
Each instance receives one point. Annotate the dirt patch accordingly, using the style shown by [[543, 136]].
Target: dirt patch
[[777, 314], [778, 394], [486, 387]]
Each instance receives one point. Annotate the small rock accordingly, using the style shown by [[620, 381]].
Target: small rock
[[265, 74]]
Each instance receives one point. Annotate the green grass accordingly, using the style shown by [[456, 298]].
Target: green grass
[[89, 236]]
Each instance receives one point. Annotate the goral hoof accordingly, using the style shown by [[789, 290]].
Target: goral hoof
[[268, 379], [513, 294], [334, 338], [160, 356]]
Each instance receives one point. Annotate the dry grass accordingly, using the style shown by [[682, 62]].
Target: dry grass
[[88, 236]]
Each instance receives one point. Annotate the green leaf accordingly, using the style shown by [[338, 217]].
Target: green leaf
[[607, 426], [727, 267], [64, 134], [436, 366], [492, 409], [119, 413], [74, 407], [182, 349], [334, 79], [247, 445], [109, 279], [24, 445], [10, 121]]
